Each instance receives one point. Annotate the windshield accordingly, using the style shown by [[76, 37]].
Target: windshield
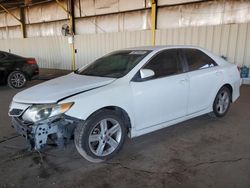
[[116, 64]]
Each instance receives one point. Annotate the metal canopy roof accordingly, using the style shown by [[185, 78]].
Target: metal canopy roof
[[9, 4]]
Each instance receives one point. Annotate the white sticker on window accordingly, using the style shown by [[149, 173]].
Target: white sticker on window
[[137, 52]]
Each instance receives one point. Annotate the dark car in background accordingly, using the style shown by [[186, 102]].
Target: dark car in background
[[16, 70]]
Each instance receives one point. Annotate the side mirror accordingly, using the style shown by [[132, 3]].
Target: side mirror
[[76, 71], [146, 73]]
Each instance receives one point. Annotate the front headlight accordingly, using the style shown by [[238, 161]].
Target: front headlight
[[41, 112]]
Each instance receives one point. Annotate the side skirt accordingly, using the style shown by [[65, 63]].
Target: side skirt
[[135, 133]]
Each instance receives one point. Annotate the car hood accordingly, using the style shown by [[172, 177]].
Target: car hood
[[59, 88]]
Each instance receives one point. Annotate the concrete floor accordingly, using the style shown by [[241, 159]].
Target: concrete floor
[[202, 152]]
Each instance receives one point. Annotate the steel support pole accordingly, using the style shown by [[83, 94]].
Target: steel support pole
[[72, 28], [153, 20]]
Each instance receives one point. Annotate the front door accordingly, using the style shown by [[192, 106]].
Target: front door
[[163, 97]]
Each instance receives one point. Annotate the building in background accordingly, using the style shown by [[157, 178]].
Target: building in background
[[101, 26]]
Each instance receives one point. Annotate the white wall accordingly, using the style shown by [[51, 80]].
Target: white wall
[[92, 46], [220, 26], [50, 52], [232, 41], [201, 14], [105, 16]]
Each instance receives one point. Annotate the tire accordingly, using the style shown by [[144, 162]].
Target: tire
[[101, 136], [16, 80], [221, 102]]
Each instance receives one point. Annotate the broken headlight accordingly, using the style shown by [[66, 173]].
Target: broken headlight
[[44, 111]]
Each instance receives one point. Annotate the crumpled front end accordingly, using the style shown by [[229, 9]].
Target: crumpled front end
[[59, 129]]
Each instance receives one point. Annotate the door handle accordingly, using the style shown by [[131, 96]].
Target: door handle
[[183, 81]]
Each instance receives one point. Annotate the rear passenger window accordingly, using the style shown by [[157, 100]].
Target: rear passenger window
[[165, 63], [197, 59], [2, 55]]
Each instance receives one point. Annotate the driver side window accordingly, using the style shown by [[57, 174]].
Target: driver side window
[[165, 63], [2, 56]]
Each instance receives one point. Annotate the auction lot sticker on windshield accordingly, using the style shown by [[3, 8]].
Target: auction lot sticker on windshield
[[138, 52]]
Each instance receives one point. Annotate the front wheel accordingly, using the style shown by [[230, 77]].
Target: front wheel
[[222, 102], [101, 136], [17, 80]]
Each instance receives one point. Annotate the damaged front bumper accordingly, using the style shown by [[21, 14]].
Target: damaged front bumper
[[61, 129]]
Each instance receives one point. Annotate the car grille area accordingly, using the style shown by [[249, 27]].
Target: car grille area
[[16, 112]]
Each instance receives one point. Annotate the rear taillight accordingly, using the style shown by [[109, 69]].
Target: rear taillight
[[31, 61]]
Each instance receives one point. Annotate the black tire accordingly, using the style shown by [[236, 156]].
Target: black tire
[[16, 80], [85, 130], [221, 111]]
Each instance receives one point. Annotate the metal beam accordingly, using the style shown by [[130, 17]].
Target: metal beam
[[7, 11], [153, 20], [72, 28], [72, 15], [62, 6], [22, 24], [22, 19]]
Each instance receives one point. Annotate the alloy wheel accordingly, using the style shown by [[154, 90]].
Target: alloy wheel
[[223, 101], [105, 137], [17, 80]]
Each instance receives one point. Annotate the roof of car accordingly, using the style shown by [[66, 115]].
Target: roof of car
[[11, 54], [158, 48], [162, 47]]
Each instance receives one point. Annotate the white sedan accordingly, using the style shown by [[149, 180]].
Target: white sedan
[[127, 92]]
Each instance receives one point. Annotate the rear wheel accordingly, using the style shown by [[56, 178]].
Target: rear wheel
[[101, 136], [222, 102], [17, 80]]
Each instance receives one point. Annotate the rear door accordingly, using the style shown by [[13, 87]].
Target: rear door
[[3, 57], [163, 97], [205, 77]]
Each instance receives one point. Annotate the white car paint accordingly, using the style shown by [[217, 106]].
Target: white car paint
[[149, 105], [152, 95], [56, 89], [200, 83]]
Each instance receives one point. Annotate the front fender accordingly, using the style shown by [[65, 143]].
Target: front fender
[[91, 101]]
